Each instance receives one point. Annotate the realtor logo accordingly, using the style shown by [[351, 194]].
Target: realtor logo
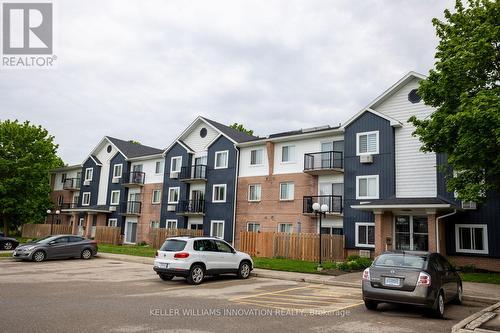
[[27, 29]]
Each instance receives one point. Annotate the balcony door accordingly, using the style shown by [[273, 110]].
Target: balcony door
[[199, 167], [196, 200]]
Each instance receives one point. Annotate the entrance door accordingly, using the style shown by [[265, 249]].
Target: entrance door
[[411, 233], [81, 221], [130, 231]]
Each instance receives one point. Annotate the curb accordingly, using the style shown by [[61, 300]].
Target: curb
[[479, 317]]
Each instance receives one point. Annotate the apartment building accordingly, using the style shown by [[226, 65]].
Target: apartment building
[[65, 184]]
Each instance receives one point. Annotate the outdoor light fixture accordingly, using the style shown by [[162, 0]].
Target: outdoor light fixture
[[321, 211], [57, 212]]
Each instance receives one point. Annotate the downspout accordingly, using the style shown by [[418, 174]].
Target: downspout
[[437, 227], [235, 192]]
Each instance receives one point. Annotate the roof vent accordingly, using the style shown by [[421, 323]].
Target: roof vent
[[414, 97]]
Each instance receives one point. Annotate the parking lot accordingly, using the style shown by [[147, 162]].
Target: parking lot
[[114, 296]]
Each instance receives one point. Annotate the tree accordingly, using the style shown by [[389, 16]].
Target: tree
[[27, 153], [241, 128], [464, 89]]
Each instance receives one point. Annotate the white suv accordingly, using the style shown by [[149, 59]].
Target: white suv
[[196, 257]]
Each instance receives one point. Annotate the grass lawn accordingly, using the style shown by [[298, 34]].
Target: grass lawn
[[289, 265], [481, 277], [133, 250], [5, 255]]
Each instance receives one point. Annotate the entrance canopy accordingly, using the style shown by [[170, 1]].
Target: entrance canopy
[[405, 203]]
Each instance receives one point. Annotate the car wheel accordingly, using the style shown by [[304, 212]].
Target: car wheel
[[244, 270], [86, 254], [39, 256], [196, 274], [371, 305], [166, 277], [460, 295], [438, 309], [8, 246]]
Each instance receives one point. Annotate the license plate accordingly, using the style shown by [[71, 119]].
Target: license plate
[[392, 281], [160, 265]]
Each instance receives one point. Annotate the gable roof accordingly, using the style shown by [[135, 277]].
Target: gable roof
[[230, 132], [132, 150]]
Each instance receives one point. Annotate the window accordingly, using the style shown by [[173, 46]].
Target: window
[[156, 196], [471, 238], [223, 247], [60, 200], [254, 192], [86, 199], [286, 191], [155, 224], [173, 195], [117, 171], [367, 143], [171, 224], [285, 227], [256, 157], [288, 154], [411, 233], [252, 226], [217, 229], [219, 194], [88, 174], [221, 158], [367, 187], [205, 245], [63, 177], [112, 223], [365, 234], [175, 164], [115, 198], [159, 167]]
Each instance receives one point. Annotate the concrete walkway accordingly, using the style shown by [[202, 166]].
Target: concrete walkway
[[484, 321]]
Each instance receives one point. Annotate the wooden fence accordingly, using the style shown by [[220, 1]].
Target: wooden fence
[[292, 246], [42, 230], [108, 235], [157, 236]]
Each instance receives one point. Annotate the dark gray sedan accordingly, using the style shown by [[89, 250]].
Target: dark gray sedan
[[416, 278], [57, 247]]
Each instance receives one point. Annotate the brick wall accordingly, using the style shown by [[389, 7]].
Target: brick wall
[[490, 264], [149, 212]]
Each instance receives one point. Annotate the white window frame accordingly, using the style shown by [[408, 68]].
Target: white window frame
[[376, 196], [113, 222], [292, 158], [114, 171], [153, 197], [214, 192], [262, 157], [484, 228], [253, 224], [259, 196], [111, 198], [91, 174], [84, 194], [227, 159], [172, 163], [293, 192], [285, 223], [158, 167], [365, 224], [358, 153], [171, 222], [212, 228], [154, 224], [178, 189]]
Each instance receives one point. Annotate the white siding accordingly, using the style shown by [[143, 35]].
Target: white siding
[[247, 170], [415, 170], [104, 157], [58, 185], [195, 141], [149, 168]]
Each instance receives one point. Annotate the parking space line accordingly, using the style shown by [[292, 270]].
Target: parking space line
[[272, 292], [288, 303], [291, 299]]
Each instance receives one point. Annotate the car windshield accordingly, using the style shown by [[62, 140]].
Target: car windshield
[[401, 260], [173, 245], [45, 240]]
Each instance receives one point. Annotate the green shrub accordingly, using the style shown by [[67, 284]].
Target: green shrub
[[353, 257]]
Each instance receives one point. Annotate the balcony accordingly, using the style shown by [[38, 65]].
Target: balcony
[[134, 179], [334, 203], [68, 205], [193, 174], [71, 184], [132, 208], [324, 163], [191, 208]]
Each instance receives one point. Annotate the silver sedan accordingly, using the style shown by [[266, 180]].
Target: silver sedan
[[57, 247]]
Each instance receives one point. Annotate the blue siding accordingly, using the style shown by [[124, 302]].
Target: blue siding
[[118, 159], [383, 165], [93, 188]]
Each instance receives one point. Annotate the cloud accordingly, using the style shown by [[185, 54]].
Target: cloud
[[144, 70]]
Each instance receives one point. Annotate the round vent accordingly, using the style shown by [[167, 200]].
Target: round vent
[[414, 97], [203, 132], [109, 149]]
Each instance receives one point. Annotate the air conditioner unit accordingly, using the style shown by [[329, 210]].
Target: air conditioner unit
[[366, 158], [86, 182], [364, 253], [174, 175], [115, 180], [112, 208], [171, 208], [469, 205]]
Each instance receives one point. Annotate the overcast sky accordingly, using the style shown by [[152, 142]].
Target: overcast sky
[[144, 70]]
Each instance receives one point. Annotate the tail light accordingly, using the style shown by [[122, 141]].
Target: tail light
[[366, 274], [93, 242], [181, 255], [424, 279]]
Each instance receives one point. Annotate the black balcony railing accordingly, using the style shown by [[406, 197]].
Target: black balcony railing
[[334, 203], [193, 172], [190, 207], [71, 184], [133, 207], [134, 177], [68, 205], [324, 160]]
